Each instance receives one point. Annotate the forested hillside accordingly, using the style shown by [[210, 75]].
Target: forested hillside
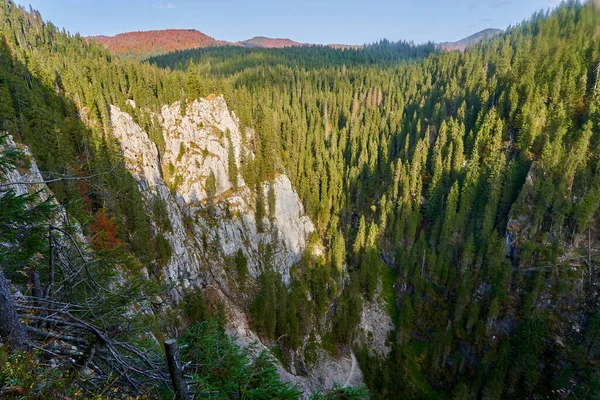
[[471, 39], [229, 60], [475, 178], [460, 191]]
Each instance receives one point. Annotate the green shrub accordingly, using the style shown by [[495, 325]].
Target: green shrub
[[221, 367]]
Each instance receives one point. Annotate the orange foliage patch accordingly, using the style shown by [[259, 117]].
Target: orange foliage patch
[[156, 42], [104, 232]]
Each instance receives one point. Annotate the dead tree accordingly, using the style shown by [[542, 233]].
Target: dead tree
[[74, 320], [176, 370], [11, 329], [81, 325]]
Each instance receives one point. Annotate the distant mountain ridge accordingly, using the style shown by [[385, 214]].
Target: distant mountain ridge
[[150, 43], [474, 38], [269, 43], [145, 44]]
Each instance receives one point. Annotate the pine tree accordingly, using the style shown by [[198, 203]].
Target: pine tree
[[211, 188], [232, 167], [23, 225], [360, 241]]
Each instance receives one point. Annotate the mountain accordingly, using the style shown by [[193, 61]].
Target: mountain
[[269, 43], [474, 38], [146, 44], [151, 43]]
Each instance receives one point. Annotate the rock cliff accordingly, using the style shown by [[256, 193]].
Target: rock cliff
[[198, 143], [28, 179]]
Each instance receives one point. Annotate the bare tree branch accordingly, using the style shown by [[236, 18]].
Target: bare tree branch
[[59, 179]]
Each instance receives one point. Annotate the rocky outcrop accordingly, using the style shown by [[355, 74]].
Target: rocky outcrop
[[29, 180], [142, 159], [286, 234], [325, 372], [374, 327], [198, 142]]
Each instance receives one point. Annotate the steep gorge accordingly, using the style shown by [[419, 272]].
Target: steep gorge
[[451, 247], [207, 234]]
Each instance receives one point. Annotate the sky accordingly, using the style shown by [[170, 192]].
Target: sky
[[306, 21]]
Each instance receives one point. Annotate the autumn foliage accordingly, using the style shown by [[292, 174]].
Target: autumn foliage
[[152, 43], [149, 43], [104, 232]]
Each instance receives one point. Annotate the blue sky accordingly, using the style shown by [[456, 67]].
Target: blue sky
[[309, 21]]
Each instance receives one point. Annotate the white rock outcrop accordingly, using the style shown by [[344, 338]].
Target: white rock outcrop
[[139, 152], [197, 142], [142, 159], [290, 221], [28, 181], [326, 372], [374, 327]]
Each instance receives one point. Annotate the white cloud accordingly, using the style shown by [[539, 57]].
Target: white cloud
[[168, 6]]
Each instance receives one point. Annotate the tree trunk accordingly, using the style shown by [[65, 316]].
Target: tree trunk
[[36, 287], [37, 293], [590, 267], [175, 370], [11, 330]]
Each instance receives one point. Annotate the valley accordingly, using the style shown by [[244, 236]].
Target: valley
[[393, 220]]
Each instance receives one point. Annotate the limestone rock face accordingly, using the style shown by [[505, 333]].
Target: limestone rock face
[[326, 371], [33, 182], [199, 141], [206, 236], [290, 221], [27, 177], [374, 327], [140, 154], [142, 159], [29, 180], [284, 237]]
